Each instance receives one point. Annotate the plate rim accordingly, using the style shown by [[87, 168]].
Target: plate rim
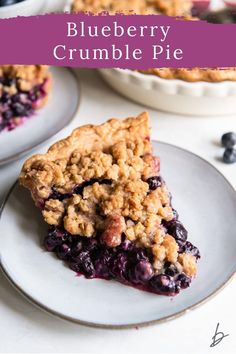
[[14, 157], [173, 316]]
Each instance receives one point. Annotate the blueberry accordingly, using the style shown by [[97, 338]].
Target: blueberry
[[139, 254], [126, 245], [90, 244], [170, 269], [8, 81], [55, 238], [74, 266], [118, 266], [154, 182], [32, 96], [229, 155], [76, 248], [57, 195], [63, 251], [7, 115], [85, 264], [88, 268], [8, 2], [19, 109], [16, 98], [142, 272], [183, 280], [188, 247], [50, 243], [163, 284], [55, 232], [5, 97], [102, 261], [176, 229], [228, 140]]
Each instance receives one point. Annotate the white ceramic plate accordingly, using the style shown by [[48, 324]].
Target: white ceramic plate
[[60, 109], [175, 96], [207, 206]]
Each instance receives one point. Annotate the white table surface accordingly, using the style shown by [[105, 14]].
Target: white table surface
[[24, 328]]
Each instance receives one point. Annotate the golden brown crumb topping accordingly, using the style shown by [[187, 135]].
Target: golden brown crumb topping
[[167, 7]]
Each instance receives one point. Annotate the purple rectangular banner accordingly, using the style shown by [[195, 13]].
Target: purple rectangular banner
[[103, 41]]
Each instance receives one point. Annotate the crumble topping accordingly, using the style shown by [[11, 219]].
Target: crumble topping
[[53, 211], [195, 74], [97, 183], [188, 262], [141, 7]]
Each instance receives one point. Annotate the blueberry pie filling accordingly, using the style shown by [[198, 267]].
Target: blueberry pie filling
[[23, 90], [109, 210]]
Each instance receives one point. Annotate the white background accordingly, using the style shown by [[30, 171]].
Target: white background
[[24, 328]]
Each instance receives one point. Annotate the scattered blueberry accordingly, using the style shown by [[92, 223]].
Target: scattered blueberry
[[228, 140], [154, 182], [229, 156], [9, 2]]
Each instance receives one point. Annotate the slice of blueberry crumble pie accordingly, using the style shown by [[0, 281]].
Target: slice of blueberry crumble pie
[[23, 90], [109, 210]]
